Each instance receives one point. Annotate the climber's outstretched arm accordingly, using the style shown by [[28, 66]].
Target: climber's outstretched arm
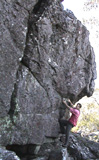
[[68, 107], [71, 103]]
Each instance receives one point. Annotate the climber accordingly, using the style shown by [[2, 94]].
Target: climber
[[71, 122]]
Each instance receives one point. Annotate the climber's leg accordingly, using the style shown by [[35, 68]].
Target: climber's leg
[[63, 123], [68, 128]]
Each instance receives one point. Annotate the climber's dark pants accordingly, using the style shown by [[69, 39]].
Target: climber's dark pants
[[69, 126]]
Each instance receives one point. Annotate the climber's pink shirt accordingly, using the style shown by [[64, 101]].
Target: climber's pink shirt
[[75, 114]]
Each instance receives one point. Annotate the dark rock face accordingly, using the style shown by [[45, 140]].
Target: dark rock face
[[79, 149], [58, 53], [14, 17], [45, 56], [82, 148]]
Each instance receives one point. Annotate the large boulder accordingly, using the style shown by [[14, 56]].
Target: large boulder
[[45, 56]]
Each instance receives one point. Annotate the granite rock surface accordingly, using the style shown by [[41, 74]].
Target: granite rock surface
[[45, 56]]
